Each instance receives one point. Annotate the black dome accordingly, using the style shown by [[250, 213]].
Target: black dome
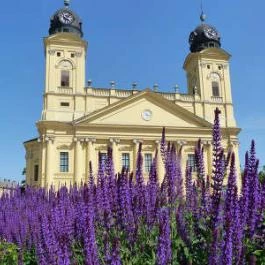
[[65, 20], [204, 36]]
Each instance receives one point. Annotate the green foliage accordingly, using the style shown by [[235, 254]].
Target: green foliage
[[143, 251], [262, 175], [255, 247], [260, 256], [145, 248], [29, 257], [78, 255], [8, 253]]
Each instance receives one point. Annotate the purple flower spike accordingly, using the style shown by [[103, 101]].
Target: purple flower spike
[[231, 193], [218, 166], [164, 242], [139, 186], [228, 247], [163, 146], [188, 187], [115, 258], [199, 162]]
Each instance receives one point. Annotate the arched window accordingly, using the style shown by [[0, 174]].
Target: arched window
[[65, 78], [215, 78], [65, 73], [215, 89]]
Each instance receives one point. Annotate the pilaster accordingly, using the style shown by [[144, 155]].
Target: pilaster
[[208, 156], [115, 153], [136, 143], [49, 140], [90, 153], [234, 146], [78, 167], [180, 145]]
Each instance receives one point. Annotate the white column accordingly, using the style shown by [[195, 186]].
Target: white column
[[208, 150], [90, 154], [207, 147], [42, 168], [160, 164], [183, 156], [77, 161], [49, 161], [115, 153], [235, 149], [135, 153], [28, 167]]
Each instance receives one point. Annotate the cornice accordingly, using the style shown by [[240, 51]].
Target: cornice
[[64, 39], [53, 125], [210, 53]]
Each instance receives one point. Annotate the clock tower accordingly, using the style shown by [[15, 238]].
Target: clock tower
[[208, 75], [65, 54]]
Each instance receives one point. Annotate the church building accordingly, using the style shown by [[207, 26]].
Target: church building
[[79, 120]]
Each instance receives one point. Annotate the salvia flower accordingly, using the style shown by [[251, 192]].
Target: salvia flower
[[164, 241]]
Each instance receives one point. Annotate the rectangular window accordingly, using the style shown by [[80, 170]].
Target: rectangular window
[[147, 162], [65, 104], [103, 158], [65, 78], [64, 161], [36, 172], [126, 160], [191, 162], [215, 88]]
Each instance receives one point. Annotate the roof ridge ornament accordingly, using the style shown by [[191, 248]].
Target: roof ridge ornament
[[66, 3], [202, 17]]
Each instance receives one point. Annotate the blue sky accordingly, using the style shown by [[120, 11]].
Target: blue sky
[[143, 41]]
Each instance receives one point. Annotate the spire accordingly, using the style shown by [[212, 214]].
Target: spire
[[203, 16], [204, 36], [66, 3]]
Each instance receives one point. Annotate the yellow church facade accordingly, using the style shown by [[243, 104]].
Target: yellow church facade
[[79, 121]]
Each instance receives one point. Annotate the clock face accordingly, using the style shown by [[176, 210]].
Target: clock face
[[215, 77], [147, 115], [66, 17], [211, 33]]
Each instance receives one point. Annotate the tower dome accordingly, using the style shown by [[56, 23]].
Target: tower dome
[[65, 20], [204, 36]]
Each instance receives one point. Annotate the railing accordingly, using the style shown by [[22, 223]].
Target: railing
[[217, 99], [65, 90], [168, 96], [7, 185], [185, 97], [123, 93], [101, 92]]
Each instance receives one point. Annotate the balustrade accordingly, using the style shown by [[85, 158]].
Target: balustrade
[[65, 90]]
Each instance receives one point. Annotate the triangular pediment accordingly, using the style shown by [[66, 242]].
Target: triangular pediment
[[144, 109]]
